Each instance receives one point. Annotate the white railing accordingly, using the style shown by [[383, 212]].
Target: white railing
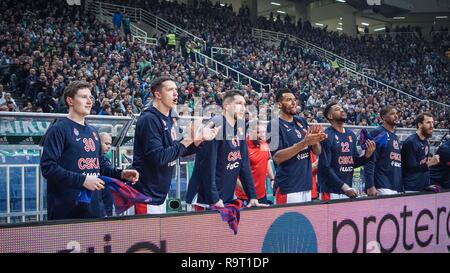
[[228, 72], [140, 15], [391, 34], [137, 34], [382, 86], [221, 50], [39, 211], [274, 36]]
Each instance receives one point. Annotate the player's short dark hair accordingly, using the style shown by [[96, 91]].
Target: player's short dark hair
[[385, 110], [279, 95], [421, 117], [230, 94], [328, 109], [72, 89], [158, 82]]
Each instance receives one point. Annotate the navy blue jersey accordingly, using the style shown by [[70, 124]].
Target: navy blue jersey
[[440, 173], [156, 150], [72, 151], [384, 170], [295, 174], [338, 158], [416, 175], [219, 164]]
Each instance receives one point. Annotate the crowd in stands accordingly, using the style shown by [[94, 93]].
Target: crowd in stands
[[44, 45]]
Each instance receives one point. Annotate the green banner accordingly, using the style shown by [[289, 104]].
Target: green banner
[[23, 127]]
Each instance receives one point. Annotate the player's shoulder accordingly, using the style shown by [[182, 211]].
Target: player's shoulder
[[377, 131], [411, 140], [61, 125], [303, 122], [329, 131]]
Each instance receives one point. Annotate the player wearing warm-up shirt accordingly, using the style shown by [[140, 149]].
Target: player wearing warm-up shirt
[[157, 146], [415, 151], [293, 179], [339, 156], [383, 172], [70, 160], [440, 173], [221, 161]]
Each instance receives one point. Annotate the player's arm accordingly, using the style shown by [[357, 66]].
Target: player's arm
[[154, 150], [106, 168], [288, 153], [325, 170], [270, 173], [208, 157], [362, 160], [51, 154], [245, 173], [409, 161]]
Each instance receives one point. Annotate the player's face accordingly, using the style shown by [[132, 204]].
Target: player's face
[[259, 134], [337, 113], [168, 94], [106, 143], [288, 104], [82, 102], [237, 107], [391, 117], [427, 126]]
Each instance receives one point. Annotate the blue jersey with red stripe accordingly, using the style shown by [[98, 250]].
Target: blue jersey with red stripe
[[384, 170], [72, 151], [338, 158], [416, 175], [218, 165], [295, 174]]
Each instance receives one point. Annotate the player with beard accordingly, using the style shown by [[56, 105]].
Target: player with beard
[[293, 180], [339, 156], [415, 155], [222, 160], [383, 172], [258, 154]]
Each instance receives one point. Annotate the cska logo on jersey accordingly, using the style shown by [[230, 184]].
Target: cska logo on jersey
[[95, 135], [395, 144], [299, 134], [336, 137], [76, 132], [426, 150], [350, 139], [286, 126]]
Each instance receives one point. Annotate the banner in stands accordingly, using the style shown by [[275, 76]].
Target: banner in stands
[[418, 223], [23, 127]]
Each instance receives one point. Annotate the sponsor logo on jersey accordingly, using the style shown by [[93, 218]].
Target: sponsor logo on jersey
[[171, 164], [232, 166], [88, 163]]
